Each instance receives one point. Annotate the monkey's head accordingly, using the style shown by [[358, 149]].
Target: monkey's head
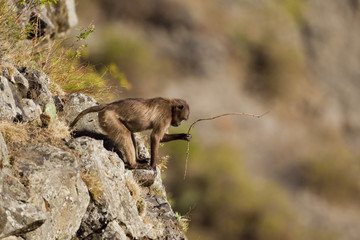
[[180, 112]]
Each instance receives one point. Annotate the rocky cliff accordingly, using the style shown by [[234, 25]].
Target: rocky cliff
[[57, 186], [54, 186]]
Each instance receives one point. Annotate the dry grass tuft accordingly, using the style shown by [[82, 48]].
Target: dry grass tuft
[[182, 222], [19, 135], [135, 192], [14, 132], [134, 188], [59, 129]]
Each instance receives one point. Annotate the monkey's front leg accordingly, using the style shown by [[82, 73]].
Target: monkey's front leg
[[154, 142], [179, 136]]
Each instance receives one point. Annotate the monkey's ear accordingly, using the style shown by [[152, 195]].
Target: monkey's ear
[[180, 107]]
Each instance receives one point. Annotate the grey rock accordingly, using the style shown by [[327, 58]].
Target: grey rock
[[120, 206], [54, 181], [22, 84], [113, 197], [51, 20], [160, 212], [62, 15], [15, 77], [18, 214], [59, 102], [38, 86], [3, 152], [71, 13], [9, 101], [144, 177], [113, 231], [95, 220], [42, 14], [143, 153], [12, 238], [23, 92], [73, 105], [31, 110]]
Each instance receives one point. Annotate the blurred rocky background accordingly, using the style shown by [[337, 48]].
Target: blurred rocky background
[[293, 174]]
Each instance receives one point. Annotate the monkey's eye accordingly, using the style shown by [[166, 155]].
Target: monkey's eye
[[180, 107]]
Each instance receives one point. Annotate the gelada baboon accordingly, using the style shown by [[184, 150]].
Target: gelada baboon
[[122, 118]]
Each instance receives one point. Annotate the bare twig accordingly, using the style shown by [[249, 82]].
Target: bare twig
[[212, 118]]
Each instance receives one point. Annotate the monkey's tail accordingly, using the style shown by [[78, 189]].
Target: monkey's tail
[[97, 108]]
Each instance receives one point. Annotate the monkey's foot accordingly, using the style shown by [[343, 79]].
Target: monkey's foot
[[140, 166], [143, 161], [188, 137]]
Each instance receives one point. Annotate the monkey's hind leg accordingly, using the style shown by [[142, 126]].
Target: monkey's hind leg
[[117, 132]]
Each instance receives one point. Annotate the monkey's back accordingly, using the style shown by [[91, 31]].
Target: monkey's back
[[139, 114]]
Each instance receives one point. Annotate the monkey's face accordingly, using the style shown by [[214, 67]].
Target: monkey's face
[[180, 112]]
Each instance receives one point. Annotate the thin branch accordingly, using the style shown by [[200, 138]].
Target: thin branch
[[212, 118]]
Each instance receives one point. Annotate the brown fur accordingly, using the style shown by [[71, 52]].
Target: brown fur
[[122, 118]]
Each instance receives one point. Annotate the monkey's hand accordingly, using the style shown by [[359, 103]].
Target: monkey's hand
[[187, 137]]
